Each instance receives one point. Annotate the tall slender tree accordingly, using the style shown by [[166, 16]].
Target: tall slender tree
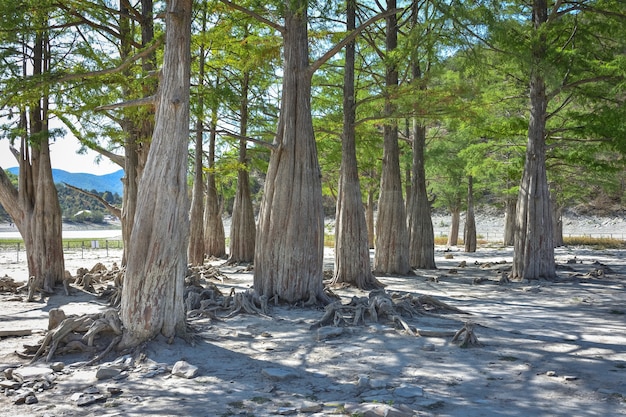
[[392, 241], [352, 256]]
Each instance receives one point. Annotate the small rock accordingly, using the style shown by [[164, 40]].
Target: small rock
[[311, 407], [278, 374], [6, 384], [106, 372], [328, 332], [363, 381], [551, 373], [184, 370], [408, 392], [20, 397], [57, 366], [285, 411], [83, 399], [32, 372], [31, 399], [379, 410], [114, 390], [570, 377], [378, 383]]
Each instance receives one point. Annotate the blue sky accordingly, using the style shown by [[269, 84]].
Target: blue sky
[[63, 156]]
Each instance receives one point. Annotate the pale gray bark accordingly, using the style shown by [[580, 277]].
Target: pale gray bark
[[152, 297]]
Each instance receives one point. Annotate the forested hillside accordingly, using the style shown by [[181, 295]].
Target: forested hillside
[[76, 206]]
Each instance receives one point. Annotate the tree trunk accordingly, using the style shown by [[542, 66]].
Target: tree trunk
[[214, 235], [369, 218], [290, 238], [242, 226], [392, 242], [509, 221], [352, 255], [420, 223], [152, 297], [421, 233], [469, 231], [195, 251], [34, 205], [557, 221], [138, 129], [453, 237], [534, 242]]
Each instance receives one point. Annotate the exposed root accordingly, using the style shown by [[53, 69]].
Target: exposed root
[[382, 306], [64, 335], [465, 337]]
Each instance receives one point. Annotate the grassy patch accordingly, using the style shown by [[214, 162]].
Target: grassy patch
[[596, 242]]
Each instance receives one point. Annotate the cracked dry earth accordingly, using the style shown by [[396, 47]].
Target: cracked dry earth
[[547, 349]]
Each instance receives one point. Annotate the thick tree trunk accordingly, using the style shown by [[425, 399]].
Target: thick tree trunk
[[243, 226], [469, 231], [290, 237], [534, 241], [391, 254], [352, 255], [455, 221], [509, 221], [214, 234], [152, 297], [34, 205], [196, 251]]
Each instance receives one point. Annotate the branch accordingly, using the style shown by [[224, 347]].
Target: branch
[[111, 208], [124, 65], [583, 81], [249, 139], [130, 103], [256, 16], [351, 37]]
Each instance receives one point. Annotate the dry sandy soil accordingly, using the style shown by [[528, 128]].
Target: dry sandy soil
[[547, 349]]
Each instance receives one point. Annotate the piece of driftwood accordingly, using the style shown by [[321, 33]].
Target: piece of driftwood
[[15, 332]]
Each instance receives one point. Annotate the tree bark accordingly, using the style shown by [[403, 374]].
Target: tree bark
[[138, 129], [243, 226], [214, 235], [34, 205], [152, 297], [469, 231], [420, 224], [195, 251], [352, 255], [533, 256], [455, 221], [557, 221], [392, 242], [509, 221], [369, 218], [290, 237]]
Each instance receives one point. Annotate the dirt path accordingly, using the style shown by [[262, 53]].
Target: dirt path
[[548, 349]]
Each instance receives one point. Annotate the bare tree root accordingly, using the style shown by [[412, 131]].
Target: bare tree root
[[465, 337], [382, 306], [64, 336]]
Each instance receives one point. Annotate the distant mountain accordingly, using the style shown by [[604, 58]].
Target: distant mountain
[[109, 182]]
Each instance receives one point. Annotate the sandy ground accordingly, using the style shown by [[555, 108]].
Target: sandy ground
[[547, 349]]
